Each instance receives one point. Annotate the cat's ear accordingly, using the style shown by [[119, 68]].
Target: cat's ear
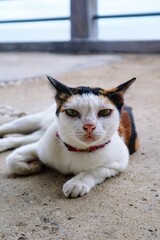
[[116, 95], [59, 87], [122, 88]]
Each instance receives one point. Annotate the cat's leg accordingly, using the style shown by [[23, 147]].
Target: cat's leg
[[17, 141], [84, 181], [23, 125], [24, 160], [29, 124]]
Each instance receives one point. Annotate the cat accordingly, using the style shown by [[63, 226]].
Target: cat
[[88, 132]]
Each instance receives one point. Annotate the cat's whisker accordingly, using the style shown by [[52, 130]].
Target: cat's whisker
[[57, 146], [67, 134]]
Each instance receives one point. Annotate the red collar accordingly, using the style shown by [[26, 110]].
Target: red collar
[[89, 149]]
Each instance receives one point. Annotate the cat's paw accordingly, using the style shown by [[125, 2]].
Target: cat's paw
[[4, 145], [75, 188], [17, 164]]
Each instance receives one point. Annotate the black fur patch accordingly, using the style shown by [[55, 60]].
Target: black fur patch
[[117, 100], [87, 90]]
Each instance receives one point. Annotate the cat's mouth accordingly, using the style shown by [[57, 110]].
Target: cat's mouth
[[89, 138]]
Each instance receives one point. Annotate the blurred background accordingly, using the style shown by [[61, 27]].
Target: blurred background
[[111, 29], [29, 28]]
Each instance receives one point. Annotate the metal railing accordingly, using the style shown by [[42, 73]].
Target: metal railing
[[84, 33], [35, 20], [95, 17], [149, 14]]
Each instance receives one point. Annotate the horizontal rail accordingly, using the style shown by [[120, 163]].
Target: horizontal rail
[[35, 20], [84, 46], [127, 15], [68, 18]]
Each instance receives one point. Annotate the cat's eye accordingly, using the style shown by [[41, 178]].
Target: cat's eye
[[72, 113], [104, 112]]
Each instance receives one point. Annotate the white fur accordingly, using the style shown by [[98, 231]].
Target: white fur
[[89, 168]]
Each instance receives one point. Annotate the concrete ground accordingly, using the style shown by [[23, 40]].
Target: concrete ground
[[124, 207]]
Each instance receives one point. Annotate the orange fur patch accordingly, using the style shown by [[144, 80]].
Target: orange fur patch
[[127, 129], [125, 126]]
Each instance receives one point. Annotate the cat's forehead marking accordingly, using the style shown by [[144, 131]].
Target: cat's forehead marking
[[79, 93], [60, 98], [87, 102], [92, 90], [88, 90]]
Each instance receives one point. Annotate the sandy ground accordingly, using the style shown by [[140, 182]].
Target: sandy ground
[[124, 207]]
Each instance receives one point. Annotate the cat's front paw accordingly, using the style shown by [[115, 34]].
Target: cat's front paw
[[75, 188]]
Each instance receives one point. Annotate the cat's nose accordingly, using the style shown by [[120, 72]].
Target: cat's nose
[[89, 128]]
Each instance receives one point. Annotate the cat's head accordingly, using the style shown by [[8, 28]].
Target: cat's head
[[88, 116]]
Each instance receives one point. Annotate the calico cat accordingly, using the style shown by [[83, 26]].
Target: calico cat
[[88, 132]]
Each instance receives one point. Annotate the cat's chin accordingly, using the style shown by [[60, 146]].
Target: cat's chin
[[89, 141], [89, 138]]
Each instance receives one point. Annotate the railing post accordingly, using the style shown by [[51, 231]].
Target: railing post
[[83, 26]]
